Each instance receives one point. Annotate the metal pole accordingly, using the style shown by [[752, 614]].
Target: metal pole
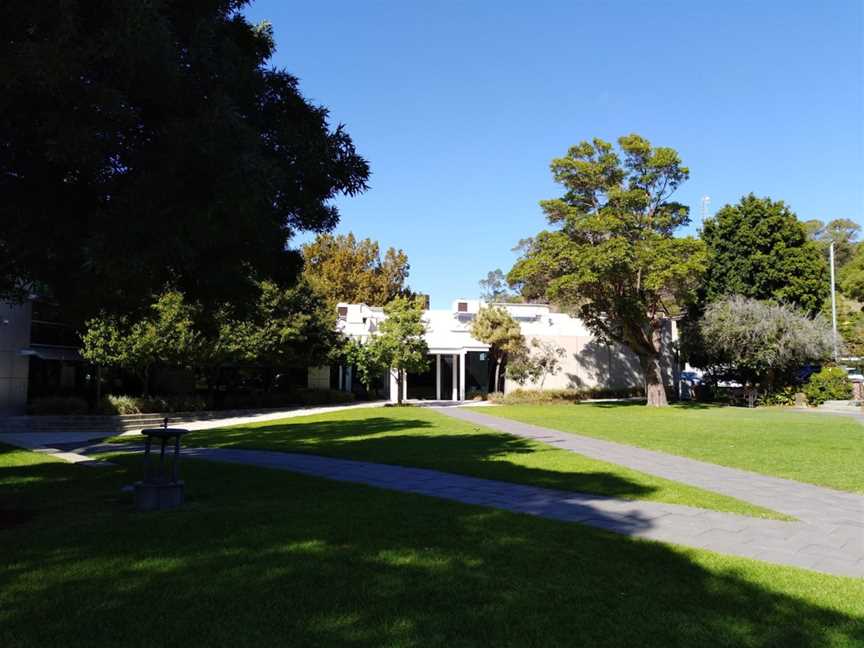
[[833, 301]]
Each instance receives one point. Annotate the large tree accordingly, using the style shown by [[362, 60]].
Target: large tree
[[150, 143], [613, 258], [759, 249], [345, 269]]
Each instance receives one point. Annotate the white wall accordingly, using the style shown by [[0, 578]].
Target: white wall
[[14, 368]]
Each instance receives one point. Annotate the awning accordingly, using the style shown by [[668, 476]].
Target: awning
[[67, 354]]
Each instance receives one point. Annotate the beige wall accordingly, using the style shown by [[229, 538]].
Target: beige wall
[[588, 364], [14, 368], [319, 377]]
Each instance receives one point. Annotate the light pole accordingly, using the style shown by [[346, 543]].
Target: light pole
[[833, 301]]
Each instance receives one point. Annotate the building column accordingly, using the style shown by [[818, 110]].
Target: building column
[[438, 376], [348, 379], [394, 391], [455, 395], [404, 385], [463, 384]]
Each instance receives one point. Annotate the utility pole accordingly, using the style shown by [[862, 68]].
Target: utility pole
[[833, 301]]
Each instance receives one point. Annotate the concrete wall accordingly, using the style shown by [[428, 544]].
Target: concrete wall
[[14, 368]]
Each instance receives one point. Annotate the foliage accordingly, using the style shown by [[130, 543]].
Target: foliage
[[344, 269], [841, 231], [761, 343], [399, 343], [850, 323], [122, 404], [783, 397], [152, 143], [851, 276], [292, 326], [494, 288], [368, 362], [167, 336], [497, 328], [529, 396], [530, 366], [759, 249], [58, 405], [614, 259], [830, 383]]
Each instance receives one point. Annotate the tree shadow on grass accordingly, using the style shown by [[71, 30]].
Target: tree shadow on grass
[[261, 557], [488, 454]]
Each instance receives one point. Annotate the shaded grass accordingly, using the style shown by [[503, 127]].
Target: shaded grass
[[265, 558], [815, 448], [423, 438]]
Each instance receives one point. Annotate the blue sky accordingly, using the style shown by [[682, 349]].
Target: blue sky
[[460, 106]]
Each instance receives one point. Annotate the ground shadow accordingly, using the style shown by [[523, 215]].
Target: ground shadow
[[261, 557], [489, 454]]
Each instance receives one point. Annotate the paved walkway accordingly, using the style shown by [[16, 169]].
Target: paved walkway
[[832, 521], [47, 441], [788, 543]]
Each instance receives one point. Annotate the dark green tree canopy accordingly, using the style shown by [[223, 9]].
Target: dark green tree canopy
[[758, 248], [145, 144]]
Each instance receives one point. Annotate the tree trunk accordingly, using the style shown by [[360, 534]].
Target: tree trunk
[[655, 392], [98, 385], [497, 374], [145, 378], [399, 378]]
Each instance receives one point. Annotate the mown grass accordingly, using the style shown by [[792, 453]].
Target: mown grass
[[267, 558], [816, 448], [416, 436]]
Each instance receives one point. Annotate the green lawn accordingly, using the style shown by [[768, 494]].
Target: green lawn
[[416, 436], [267, 558], [817, 448]]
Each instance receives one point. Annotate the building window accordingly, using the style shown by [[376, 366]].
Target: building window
[[462, 307], [343, 312]]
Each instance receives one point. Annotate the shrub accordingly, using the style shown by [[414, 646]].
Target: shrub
[[784, 397], [62, 405], [528, 396], [121, 404], [830, 383]]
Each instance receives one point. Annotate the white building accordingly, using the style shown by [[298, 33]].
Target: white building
[[459, 366]]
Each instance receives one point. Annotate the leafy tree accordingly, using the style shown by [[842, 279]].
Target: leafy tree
[[399, 343], [100, 345], [497, 328], [344, 269], [494, 288], [150, 143], [166, 336], [850, 323], [759, 249], [761, 343], [366, 360], [841, 231], [292, 326], [543, 361], [614, 259]]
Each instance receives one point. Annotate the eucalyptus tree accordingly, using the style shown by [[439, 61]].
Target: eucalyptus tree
[[613, 258]]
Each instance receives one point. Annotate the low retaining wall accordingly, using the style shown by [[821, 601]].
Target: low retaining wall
[[125, 422]]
